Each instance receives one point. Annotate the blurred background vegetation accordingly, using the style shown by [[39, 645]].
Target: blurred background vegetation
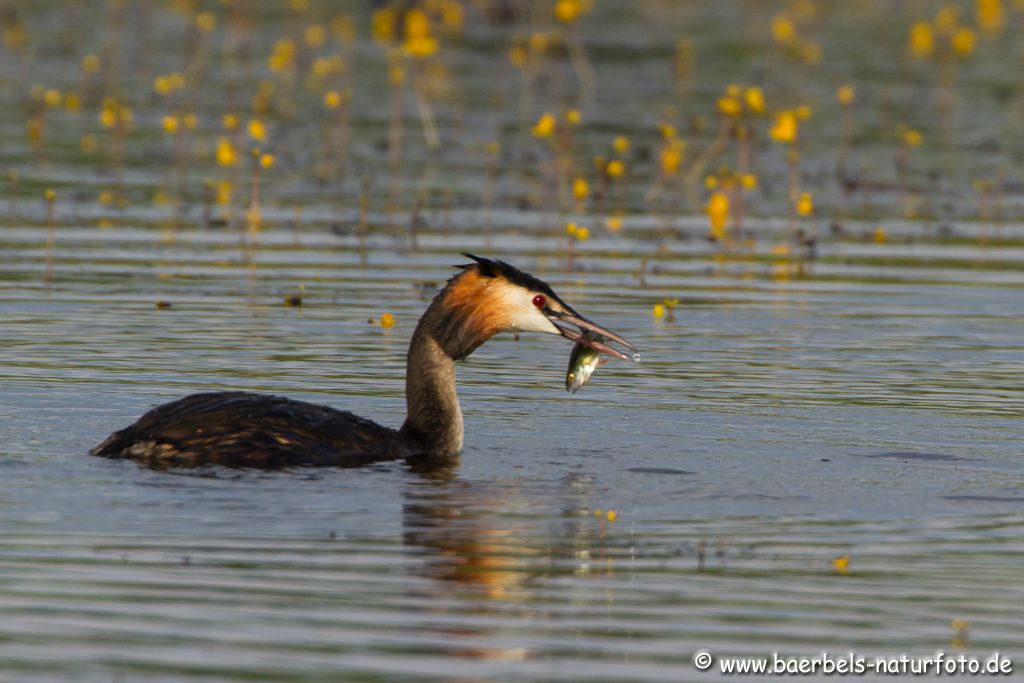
[[764, 127]]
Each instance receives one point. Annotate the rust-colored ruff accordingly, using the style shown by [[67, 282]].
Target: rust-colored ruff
[[476, 308]]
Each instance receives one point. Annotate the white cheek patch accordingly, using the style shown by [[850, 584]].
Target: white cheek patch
[[533, 321], [523, 316]]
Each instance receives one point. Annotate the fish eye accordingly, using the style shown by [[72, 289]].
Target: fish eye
[[540, 300]]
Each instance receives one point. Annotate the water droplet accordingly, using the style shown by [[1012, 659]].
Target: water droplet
[[636, 357]]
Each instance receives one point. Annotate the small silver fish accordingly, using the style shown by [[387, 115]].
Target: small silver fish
[[583, 361]]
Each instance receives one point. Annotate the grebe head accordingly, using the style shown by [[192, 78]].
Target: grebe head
[[491, 296]]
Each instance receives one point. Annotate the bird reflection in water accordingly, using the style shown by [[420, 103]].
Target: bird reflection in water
[[485, 543]]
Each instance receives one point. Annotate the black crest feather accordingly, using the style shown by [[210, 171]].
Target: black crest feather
[[495, 268]]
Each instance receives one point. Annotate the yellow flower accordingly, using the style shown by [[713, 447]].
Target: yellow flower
[[990, 15], [325, 67], [387, 321], [453, 16], [169, 124], [517, 55], [257, 131], [573, 117], [315, 35], [611, 516], [266, 160], [785, 128], [711, 182], [913, 137], [811, 53], [580, 189], [230, 121], [52, 97], [164, 85], [571, 228], [539, 41], [282, 57], [963, 42], [396, 73], [805, 206], [72, 102], [568, 11], [90, 64], [332, 99], [658, 311], [206, 21], [845, 95], [922, 40], [841, 564], [545, 126], [50, 195], [879, 235], [783, 29], [754, 98], [946, 19], [190, 120], [383, 25], [343, 28], [667, 130], [803, 112], [718, 212], [582, 233], [781, 271], [620, 144], [224, 189], [961, 632], [729, 106], [420, 48], [226, 153], [615, 168], [672, 157], [614, 223], [419, 40]]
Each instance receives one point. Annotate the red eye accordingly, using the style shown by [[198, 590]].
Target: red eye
[[540, 300]]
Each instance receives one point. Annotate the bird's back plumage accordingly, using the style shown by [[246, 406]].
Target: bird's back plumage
[[239, 429]]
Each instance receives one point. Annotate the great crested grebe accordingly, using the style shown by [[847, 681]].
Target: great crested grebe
[[240, 429]]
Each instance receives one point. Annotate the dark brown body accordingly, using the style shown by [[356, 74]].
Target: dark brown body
[[238, 429]]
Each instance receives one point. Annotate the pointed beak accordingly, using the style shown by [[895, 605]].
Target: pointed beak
[[562, 319]]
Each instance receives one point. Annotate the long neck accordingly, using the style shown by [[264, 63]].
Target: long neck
[[434, 417]]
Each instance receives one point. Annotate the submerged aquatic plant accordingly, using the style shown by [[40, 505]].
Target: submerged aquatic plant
[[51, 237]]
